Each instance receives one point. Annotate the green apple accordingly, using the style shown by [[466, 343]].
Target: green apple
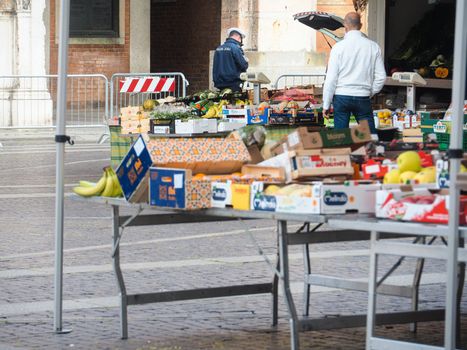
[[409, 161]]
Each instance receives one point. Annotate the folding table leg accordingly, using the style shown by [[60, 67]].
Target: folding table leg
[[372, 292], [416, 286], [306, 291], [460, 291], [118, 273], [284, 260], [275, 286]]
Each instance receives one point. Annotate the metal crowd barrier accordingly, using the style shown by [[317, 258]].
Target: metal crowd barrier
[[30, 101], [131, 89], [294, 80]]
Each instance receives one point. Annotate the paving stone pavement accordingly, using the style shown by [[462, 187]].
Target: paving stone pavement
[[165, 258]]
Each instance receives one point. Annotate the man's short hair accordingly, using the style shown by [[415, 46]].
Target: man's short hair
[[232, 31], [352, 19]]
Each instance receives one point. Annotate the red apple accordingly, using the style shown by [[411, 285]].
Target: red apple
[[410, 199]]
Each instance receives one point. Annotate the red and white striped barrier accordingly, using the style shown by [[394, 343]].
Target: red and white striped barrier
[[147, 84]]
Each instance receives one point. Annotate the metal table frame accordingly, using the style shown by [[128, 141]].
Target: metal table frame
[[345, 231], [380, 247]]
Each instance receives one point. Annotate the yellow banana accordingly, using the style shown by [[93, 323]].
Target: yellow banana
[[109, 185], [211, 113], [84, 183], [117, 192], [92, 191]]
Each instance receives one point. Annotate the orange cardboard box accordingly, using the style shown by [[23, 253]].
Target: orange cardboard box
[[207, 155]]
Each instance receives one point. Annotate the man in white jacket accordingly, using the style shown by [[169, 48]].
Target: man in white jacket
[[355, 73]]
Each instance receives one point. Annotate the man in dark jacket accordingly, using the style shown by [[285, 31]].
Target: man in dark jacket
[[230, 61]]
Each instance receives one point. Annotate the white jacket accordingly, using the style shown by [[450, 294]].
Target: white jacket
[[355, 68]]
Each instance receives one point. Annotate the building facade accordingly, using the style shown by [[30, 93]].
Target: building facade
[[121, 36]]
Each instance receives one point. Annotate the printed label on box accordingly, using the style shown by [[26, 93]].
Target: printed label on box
[[293, 139], [335, 198]]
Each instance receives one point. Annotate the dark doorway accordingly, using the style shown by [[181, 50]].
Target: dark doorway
[[182, 34]]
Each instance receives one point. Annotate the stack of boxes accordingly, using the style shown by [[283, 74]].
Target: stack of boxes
[[134, 120]]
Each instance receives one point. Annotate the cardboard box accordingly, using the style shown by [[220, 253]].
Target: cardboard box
[[310, 163], [207, 155], [162, 126], [281, 118], [265, 174], [131, 113], [175, 188], [230, 125], [412, 135], [221, 194], [241, 196], [302, 138], [133, 172], [325, 162], [325, 199], [135, 126], [442, 173], [309, 116], [417, 204], [247, 114], [345, 198], [195, 126], [235, 192]]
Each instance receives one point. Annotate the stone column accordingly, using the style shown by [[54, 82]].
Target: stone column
[[140, 36], [24, 102], [31, 102], [248, 21], [7, 58]]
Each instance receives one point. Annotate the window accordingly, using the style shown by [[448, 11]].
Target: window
[[94, 18]]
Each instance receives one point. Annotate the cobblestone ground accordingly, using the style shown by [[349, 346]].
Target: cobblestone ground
[[166, 258]]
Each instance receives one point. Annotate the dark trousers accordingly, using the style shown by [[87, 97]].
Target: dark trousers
[[359, 106]]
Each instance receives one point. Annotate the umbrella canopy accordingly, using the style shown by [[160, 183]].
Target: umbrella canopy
[[319, 20], [322, 22]]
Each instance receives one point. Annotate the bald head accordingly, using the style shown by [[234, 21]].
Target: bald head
[[352, 21]]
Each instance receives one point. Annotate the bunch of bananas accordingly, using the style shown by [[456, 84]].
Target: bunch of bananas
[[107, 186], [215, 110]]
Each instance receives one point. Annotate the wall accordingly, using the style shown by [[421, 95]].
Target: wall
[[339, 8], [278, 31], [275, 43], [93, 56], [182, 34]]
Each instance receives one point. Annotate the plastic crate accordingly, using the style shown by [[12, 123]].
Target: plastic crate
[[441, 129], [443, 141]]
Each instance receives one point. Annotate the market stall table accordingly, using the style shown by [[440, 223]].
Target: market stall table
[[147, 215], [379, 247]]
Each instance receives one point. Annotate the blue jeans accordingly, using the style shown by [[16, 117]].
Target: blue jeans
[[360, 107]]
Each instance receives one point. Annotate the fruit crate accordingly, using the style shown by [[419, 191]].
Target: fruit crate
[[441, 129], [444, 138]]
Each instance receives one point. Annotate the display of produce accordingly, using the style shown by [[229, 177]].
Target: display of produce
[[411, 168], [286, 157], [107, 186]]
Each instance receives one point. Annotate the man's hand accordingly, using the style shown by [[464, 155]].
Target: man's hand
[[326, 113]]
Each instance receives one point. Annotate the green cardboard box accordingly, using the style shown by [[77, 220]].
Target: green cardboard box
[[302, 138]]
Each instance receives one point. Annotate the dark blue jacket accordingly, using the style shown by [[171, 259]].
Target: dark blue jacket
[[229, 62]]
